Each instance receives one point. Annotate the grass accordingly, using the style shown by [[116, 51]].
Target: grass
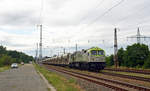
[[58, 81], [48, 89], [4, 68], [129, 73]]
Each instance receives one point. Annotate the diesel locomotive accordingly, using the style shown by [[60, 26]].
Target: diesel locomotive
[[92, 59]]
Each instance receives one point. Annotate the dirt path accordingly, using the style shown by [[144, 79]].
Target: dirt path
[[25, 78]]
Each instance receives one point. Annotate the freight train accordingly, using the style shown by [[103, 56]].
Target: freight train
[[92, 59]]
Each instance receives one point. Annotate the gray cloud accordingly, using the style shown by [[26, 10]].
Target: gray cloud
[[18, 18], [7, 41], [57, 4], [74, 20]]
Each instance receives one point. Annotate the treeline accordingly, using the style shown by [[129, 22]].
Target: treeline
[[136, 56], [7, 57]]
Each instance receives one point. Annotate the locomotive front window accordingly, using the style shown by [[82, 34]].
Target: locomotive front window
[[94, 52], [101, 52]]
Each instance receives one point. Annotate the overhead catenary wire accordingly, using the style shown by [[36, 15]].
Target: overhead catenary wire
[[102, 15], [129, 15], [105, 12], [97, 6], [136, 12], [100, 3]]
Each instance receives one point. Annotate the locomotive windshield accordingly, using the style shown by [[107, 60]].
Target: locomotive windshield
[[94, 52], [100, 52], [97, 52]]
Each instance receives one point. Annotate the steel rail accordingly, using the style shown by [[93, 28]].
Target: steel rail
[[141, 88], [127, 76], [93, 81], [129, 70]]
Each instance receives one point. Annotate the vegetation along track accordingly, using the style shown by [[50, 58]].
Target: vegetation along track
[[116, 85], [129, 70]]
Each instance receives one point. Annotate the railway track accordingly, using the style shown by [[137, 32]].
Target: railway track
[[127, 76], [129, 70], [113, 84]]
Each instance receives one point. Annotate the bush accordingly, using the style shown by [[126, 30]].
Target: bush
[[5, 60], [120, 55], [147, 63], [109, 61]]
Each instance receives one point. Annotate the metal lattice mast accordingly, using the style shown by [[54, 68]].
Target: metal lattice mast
[[36, 57], [40, 54], [138, 36]]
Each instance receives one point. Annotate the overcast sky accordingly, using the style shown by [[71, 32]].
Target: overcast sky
[[67, 22]]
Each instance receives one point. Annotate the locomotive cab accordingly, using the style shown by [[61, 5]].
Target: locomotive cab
[[96, 54], [96, 58]]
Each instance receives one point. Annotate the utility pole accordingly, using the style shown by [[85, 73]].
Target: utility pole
[[58, 53], [76, 47], [36, 57], [64, 51], [138, 36], [115, 48], [40, 54]]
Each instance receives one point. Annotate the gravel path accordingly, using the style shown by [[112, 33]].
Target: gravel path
[[25, 78]]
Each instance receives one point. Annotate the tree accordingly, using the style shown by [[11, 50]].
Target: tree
[[109, 60], [2, 50], [120, 55], [135, 55], [13, 54], [5, 60], [19, 56], [8, 57], [147, 63]]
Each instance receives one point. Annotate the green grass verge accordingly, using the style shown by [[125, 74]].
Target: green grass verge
[[129, 73], [4, 68], [58, 81]]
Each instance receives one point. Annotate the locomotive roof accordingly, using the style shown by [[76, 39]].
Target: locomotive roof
[[90, 49], [94, 48]]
